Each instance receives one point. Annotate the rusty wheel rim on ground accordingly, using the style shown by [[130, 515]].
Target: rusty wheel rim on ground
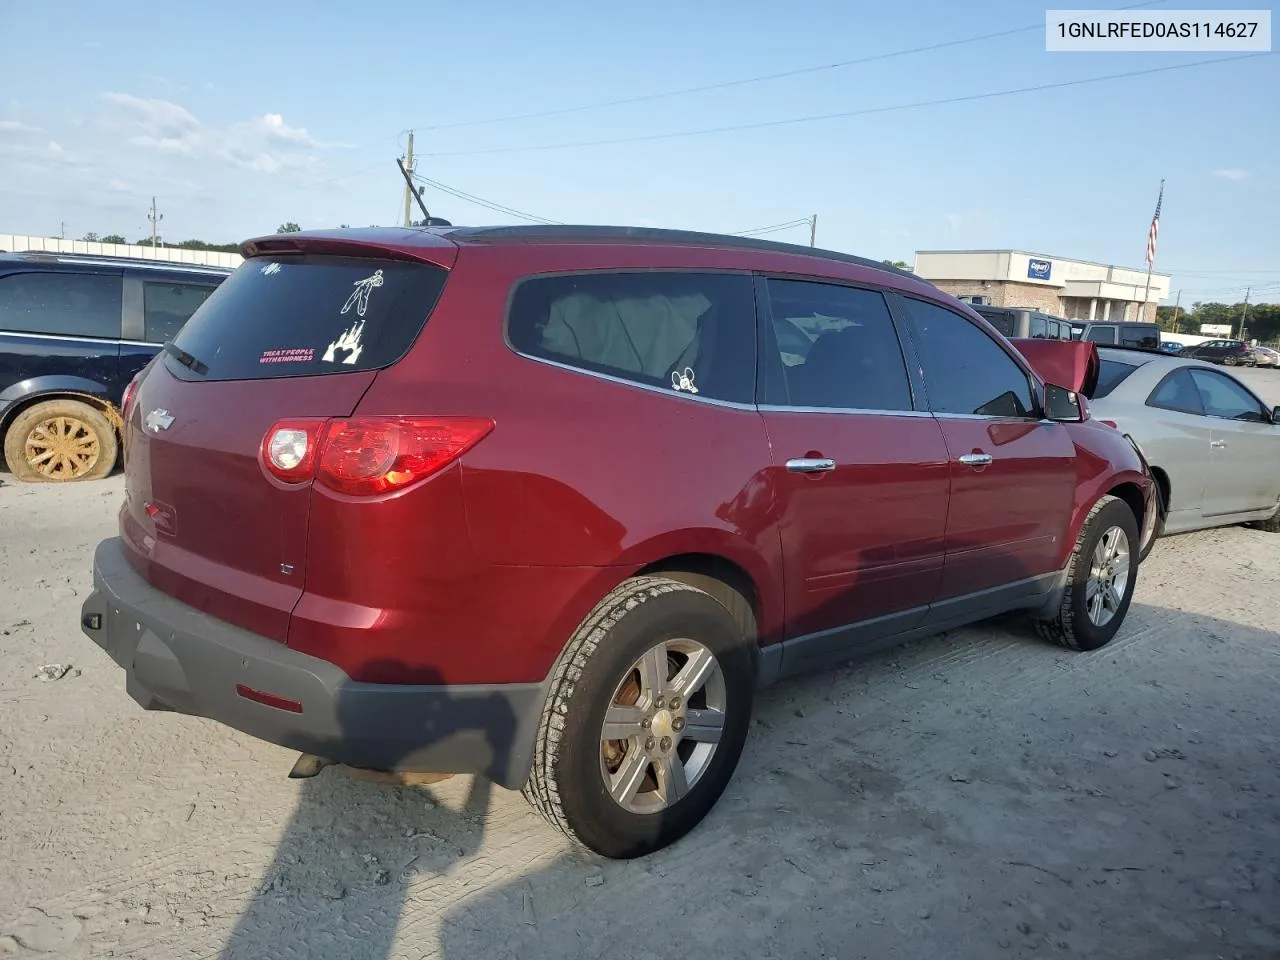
[[62, 448], [662, 726]]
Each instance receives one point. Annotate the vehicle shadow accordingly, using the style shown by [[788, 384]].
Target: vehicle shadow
[[919, 802], [339, 876]]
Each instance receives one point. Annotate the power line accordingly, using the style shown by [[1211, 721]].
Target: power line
[[852, 113], [482, 202], [762, 78], [772, 228]]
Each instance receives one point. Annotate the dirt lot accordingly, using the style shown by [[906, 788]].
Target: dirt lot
[[973, 796]]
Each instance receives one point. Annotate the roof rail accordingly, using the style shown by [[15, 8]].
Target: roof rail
[[586, 234], [104, 259]]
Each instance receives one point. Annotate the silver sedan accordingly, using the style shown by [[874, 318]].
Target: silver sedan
[[1213, 446]]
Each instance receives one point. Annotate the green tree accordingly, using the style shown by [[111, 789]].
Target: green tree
[[90, 237], [900, 264], [288, 227], [114, 238]]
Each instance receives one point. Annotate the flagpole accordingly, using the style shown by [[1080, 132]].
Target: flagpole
[[1151, 265]]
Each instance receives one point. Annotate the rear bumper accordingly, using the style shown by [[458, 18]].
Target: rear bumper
[[178, 658]]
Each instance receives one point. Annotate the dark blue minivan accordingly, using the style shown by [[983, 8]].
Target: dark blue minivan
[[73, 332]]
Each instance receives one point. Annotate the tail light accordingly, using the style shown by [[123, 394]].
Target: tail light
[[289, 449], [366, 456], [130, 394], [371, 455]]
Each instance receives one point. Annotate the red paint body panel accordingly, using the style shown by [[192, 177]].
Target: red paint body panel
[[1006, 520], [229, 525], [1073, 364], [866, 539], [480, 573]]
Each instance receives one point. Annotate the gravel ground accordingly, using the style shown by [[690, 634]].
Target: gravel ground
[[976, 795]]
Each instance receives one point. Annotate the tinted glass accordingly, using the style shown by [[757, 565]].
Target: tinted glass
[[1103, 334], [1178, 392], [70, 304], [965, 370], [301, 316], [167, 306], [1140, 335], [1037, 328], [838, 347], [1002, 320], [1110, 376], [1223, 397], [684, 332]]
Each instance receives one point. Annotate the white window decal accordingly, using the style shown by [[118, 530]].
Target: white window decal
[[348, 342], [360, 296], [683, 380], [270, 269]]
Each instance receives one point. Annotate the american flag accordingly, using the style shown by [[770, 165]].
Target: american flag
[[1154, 232]]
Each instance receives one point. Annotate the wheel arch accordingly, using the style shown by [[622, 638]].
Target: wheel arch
[[97, 401]]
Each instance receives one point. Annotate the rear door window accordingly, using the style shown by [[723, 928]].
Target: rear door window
[[1002, 320], [1037, 329], [62, 304], [167, 306], [848, 356], [1110, 375], [685, 332], [966, 371], [302, 316], [1102, 334]]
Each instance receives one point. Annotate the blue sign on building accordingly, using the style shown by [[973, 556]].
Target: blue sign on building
[[1039, 269]]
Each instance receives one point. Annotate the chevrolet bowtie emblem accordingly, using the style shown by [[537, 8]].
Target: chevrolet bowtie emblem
[[158, 419]]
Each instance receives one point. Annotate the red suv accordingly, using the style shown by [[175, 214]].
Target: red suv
[[549, 504]]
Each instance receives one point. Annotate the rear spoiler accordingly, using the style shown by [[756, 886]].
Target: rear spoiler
[[1073, 364]]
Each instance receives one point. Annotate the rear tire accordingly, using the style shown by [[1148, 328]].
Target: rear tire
[[59, 441], [1157, 526], [629, 795], [1095, 601]]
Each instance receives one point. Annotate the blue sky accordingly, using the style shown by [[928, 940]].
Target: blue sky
[[240, 116]]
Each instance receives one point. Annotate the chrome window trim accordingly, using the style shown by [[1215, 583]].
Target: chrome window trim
[[647, 387], [79, 339], [860, 411]]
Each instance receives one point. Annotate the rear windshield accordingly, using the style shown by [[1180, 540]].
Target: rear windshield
[[1002, 320], [301, 316], [1111, 376]]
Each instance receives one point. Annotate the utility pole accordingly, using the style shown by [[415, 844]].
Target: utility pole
[[813, 230], [63, 235], [1245, 316], [155, 219], [408, 187], [1176, 303]]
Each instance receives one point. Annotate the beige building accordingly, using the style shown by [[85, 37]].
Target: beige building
[[1075, 289]]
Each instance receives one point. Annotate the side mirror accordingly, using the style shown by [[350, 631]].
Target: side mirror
[[1275, 414], [1062, 405]]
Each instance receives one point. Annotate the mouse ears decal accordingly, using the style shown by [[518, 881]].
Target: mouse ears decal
[[682, 380]]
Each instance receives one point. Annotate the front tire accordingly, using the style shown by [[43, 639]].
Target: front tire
[[644, 724], [58, 441], [1101, 576]]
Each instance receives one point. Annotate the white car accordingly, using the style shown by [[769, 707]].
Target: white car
[[1266, 357], [1213, 446]]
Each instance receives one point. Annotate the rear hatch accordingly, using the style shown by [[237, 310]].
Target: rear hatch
[[293, 335]]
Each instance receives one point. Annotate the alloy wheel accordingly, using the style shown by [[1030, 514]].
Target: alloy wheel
[[1108, 576], [663, 726]]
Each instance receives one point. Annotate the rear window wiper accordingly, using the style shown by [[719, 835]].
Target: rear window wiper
[[186, 359]]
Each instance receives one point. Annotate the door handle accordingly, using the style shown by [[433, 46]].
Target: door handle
[[1217, 443], [975, 459], [810, 465]]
